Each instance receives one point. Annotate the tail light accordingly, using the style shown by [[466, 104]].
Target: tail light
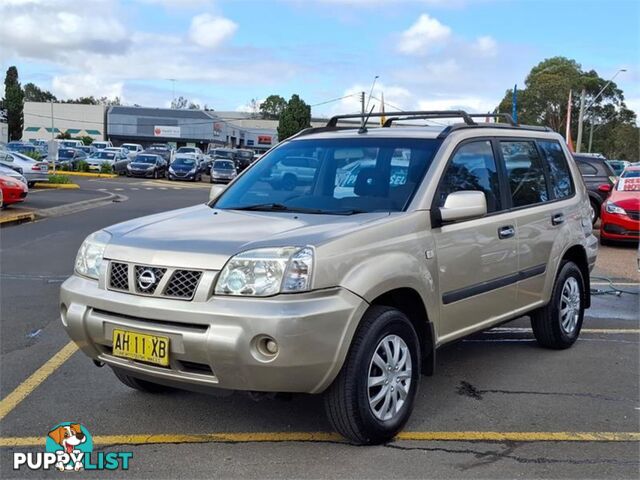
[[36, 167], [605, 187]]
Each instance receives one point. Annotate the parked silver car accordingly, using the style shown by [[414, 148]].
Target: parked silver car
[[32, 170], [298, 289]]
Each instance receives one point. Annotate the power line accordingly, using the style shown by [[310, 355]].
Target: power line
[[334, 100]]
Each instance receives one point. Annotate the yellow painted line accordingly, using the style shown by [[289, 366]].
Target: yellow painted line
[[161, 438], [61, 186], [83, 174], [584, 330], [12, 400], [611, 330]]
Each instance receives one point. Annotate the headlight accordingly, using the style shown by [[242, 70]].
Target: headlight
[[171, 170], [89, 258], [267, 271], [193, 170], [611, 207], [128, 166], [150, 167]]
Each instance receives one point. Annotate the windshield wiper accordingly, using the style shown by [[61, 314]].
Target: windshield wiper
[[276, 207]]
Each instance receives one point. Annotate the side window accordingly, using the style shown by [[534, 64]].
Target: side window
[[473, 167], [586, 169], [525, 173], [559, 173]]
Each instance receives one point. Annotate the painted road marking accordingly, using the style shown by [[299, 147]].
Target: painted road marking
[[473, 436], [609, 331], [624, 284], [12, 400]]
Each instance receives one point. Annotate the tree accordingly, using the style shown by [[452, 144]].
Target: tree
[[64, 136], [295, 117], [13, 102], [272, 106], [544, 99], [254, 108], [33, 93], [193, 106], [179, 103]]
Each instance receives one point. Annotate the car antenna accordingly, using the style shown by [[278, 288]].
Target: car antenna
[[363, 128]]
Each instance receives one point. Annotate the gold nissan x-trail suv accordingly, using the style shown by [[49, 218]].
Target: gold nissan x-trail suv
[[338, 264]]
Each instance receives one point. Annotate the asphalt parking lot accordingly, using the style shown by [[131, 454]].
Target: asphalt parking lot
[[498, 406]]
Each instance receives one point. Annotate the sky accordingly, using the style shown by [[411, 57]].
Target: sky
[[428, 54]]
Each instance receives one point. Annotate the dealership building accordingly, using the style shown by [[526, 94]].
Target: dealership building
[[143, 125]]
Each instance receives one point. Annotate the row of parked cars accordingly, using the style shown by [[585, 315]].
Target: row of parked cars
[[18, 173]]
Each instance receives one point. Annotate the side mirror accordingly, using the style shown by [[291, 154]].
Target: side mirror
[[216, 191], [463, 205]]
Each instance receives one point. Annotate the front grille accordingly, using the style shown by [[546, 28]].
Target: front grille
[[633, 214], [119, 279], [148, 278], [183, 284]]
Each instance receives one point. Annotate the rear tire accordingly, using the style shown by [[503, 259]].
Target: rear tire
[[557, 325], [596, 212], [350, 402], [137, 384]]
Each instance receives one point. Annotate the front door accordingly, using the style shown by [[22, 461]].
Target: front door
[[477, 259]]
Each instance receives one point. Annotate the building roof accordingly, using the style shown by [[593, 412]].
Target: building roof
[[160, 112]]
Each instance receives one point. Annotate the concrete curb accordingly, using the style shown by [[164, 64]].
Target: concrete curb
[[79, 206], [83, 174], [18, 218], [61, 186]]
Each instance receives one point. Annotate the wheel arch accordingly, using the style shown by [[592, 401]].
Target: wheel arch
[[578, 255], [409, 302]]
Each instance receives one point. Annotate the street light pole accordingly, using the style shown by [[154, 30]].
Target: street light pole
[[581, 116], [366, 109]]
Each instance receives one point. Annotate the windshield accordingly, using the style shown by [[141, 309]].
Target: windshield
[[223, 154], [186, 150], [223, 165], [65, 153], [99, 144], [336, 176], [184, 162], [146, 159], [245, 154], [157, 146]]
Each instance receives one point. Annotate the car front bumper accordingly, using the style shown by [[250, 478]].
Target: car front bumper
[[215, 343], [619, 227], [141, 173]]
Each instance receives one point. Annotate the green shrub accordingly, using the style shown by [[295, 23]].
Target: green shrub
[[35, 155], [59, 179], [83, 166], [106, 168], [65, 167]]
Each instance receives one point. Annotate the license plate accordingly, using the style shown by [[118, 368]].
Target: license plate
[[142, 347]]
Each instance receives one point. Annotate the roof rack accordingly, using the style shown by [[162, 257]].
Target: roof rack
[[408, 115], [452, 114]]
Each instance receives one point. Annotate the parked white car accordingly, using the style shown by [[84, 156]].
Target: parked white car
[[134, 149], [101, 145]]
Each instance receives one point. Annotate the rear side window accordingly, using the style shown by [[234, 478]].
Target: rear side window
[[559, 174], [586, 169], [473, 167], [525, 173]]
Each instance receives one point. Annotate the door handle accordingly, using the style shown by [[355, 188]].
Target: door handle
[[507, 231], [557, 219]]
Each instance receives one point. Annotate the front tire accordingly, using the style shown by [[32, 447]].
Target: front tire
[[557, 325], [372, 397], [137, 384], [595, 212]]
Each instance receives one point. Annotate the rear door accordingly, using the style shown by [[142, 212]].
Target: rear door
[[477, 258], [540, 187]]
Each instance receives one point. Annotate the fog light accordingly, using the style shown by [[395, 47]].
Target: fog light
[[271, 346]]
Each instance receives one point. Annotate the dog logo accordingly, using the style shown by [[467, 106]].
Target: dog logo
[[73, 440], [146, 280], [68, 448]]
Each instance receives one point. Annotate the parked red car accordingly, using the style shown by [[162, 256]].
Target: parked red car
[[13, 191], [620, 214]]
